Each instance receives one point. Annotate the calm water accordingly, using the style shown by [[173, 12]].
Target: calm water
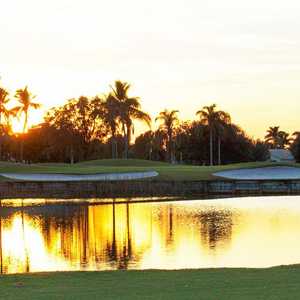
[[245, 232]]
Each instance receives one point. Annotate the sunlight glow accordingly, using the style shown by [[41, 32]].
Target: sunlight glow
[[243, 56]]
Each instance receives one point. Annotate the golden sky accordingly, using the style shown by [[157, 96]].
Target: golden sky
[[178, 54]]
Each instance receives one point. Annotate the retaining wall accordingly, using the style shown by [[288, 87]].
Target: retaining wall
[[111, 189]]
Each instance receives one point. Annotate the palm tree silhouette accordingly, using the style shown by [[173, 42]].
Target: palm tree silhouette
[[296, 135], [278, 139], [213, 119], [272, 136], [284, 139], [222, 131], [111, 116], [25, 98], [169, 121], [3, 112], [129, 109], [5, 127], [3, 102]]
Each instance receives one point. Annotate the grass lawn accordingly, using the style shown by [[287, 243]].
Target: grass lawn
[[212, 284], [166, 171]]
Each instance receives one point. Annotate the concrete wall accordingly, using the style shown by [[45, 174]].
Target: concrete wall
[[111, 189]]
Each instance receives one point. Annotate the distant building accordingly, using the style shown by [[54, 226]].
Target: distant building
[[281, 155]]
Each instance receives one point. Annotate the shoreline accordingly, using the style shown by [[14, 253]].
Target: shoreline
[[208, 284], [146, 188]]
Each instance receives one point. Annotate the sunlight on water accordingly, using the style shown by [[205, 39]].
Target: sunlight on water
[[241, 232]]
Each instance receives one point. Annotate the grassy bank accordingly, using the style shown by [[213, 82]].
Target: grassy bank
[[240, 284], [166, 171]]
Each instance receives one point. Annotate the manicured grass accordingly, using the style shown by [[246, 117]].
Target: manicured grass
[[166, 171], [212, 284]]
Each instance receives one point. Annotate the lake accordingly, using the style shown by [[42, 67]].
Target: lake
[[46, 235]]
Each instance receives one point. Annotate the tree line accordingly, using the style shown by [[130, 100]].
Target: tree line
[[87, 128]]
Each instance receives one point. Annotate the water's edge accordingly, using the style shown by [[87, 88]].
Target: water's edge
[[145, 188]]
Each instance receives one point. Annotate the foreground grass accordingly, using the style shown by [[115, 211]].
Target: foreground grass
[[213, 284], [166, 171]]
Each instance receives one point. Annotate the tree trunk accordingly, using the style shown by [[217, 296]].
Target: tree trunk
[[1, 146], [219, 150], [211, 146], [22, 138], [128, 139], [71, 155], [125, 138], [22, 149], [170, 147], [116, 149], [112, 148]]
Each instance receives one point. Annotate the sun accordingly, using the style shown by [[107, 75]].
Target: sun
[[35, 117]]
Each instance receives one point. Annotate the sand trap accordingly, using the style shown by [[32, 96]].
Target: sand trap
[[268, 173], [92, 177]]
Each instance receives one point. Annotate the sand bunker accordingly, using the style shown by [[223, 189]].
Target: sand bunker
[[268, 173], [91, 177]]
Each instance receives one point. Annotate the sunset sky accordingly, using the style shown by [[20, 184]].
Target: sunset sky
[[242, 55]]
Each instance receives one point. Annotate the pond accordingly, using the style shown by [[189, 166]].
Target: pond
[[236, 232]]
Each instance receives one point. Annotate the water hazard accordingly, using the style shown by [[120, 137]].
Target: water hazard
[[241, 232]]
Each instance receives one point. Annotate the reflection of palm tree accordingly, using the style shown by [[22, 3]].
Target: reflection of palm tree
[[169, 120], [25, 99], [27, 262], [213, 119], [113, 249], [170, 224], [216, 227], [128, 231]]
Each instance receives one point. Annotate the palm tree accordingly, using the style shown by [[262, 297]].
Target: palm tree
[[296, 135], [221, 130], [284, 139], [25, 98], [3, 112], [3, 102], [169, 121], [215, 120], [111, 116], [129, 109], [272, 136]]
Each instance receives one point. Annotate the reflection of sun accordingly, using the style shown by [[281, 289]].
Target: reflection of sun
[[24, 244]]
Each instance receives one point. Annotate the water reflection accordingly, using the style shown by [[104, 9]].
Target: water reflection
[[248, 232]]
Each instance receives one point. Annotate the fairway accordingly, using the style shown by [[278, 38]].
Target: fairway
[[212, 284], [169, 172]]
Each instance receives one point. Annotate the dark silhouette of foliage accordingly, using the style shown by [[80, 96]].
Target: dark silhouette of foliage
[[102, 127], [277, 139], [216, 121], [128, 109], [169, 121]]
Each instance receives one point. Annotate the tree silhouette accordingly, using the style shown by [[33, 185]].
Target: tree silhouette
[[215, 120], [111, 117], [277, 139], [129, 109], [272, 137], [169, 121], [25, 99]]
